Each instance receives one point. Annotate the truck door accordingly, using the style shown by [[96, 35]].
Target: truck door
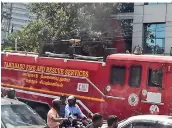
[[115, 96], [153, 92], [133, 88], [125, 78], [168, 92]]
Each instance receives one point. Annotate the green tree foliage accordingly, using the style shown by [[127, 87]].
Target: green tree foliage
[[27, 37], [60, 18], [65, 21]]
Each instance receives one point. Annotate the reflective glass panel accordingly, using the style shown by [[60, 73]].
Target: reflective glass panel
[[153, 3], [160, 31], [154, 38]]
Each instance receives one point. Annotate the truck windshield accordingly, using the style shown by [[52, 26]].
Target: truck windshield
[[20, 116]]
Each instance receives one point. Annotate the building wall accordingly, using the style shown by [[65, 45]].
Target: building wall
[[19, 17], [154, 13]]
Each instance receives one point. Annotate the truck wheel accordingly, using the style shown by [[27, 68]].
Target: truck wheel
[[42, 111]]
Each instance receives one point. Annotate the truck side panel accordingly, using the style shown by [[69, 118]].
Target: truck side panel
[[53, 77]]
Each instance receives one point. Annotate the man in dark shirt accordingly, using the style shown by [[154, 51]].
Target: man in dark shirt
[[97, 121], [62, 106]]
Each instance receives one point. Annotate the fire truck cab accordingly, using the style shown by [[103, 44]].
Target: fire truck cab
[[123, 85], [142, 81]]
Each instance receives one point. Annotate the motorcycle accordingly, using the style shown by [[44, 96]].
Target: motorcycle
[[75, 122]]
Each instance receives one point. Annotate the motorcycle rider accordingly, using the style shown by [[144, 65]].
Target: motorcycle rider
[[97, 121], [11, 94], [53, 119], [73, 109]]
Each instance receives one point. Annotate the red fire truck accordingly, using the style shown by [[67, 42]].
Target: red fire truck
[[123, 85]]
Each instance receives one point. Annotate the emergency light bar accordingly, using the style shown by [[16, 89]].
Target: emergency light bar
[[137, 50]]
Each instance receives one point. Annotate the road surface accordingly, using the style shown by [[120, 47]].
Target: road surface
[[104, 126]]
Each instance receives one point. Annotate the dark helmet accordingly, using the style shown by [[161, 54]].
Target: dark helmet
[[11, 93], [56, 104], [71, 100], [63, 97]]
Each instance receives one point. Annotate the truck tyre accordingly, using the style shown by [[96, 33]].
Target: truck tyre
[[42, 111]]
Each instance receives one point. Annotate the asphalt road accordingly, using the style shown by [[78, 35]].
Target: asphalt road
[[104, 126]]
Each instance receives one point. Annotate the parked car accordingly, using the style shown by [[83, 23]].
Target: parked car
[[147, 121], [16, 114]]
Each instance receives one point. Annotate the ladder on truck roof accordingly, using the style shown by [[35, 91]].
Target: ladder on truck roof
[[53, 55], [13, 52], [75, 56], [65, 56]]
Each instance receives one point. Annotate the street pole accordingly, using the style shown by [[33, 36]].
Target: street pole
[[2, 14], [16, 44], [9, 22]]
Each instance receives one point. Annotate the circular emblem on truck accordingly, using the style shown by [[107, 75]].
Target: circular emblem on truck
[[133, 99], [154, 109], [108, 88], [144, 92]]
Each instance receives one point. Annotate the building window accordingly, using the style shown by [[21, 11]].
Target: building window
[[135, 76], [155, 78], [154, 38], [154, 3], [117, 75]]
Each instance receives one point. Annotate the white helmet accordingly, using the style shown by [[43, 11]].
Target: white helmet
[[71, 97]]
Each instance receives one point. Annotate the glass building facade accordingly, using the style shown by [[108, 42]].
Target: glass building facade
[[154, 3], [154, 40]]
